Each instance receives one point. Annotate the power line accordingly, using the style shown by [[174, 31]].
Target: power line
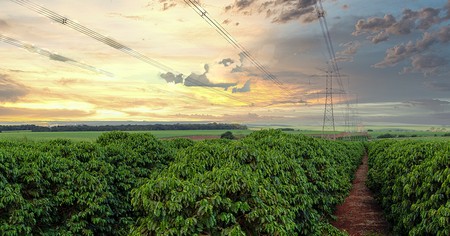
[[111, 42], [328, 120], [52, 56], [229, 38]]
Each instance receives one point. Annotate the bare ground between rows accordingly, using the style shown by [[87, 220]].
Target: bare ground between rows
[[360, 214]]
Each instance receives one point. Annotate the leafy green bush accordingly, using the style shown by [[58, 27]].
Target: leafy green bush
[[386, 135], [227, 135], [65, 188], [180, 143], [412, 181], [268, 183]]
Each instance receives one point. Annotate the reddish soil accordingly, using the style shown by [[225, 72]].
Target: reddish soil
[[360, 214]]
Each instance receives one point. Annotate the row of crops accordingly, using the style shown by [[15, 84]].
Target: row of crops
[[411, 180], [269, 183]]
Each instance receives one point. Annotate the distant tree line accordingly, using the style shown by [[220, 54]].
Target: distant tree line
[[209, 126]]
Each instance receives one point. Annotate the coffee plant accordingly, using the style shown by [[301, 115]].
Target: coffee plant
[[412, 182]]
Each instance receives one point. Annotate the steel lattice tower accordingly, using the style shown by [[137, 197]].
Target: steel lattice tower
[[328, 115]]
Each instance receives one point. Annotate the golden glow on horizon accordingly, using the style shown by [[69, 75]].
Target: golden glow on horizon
[[54, 90]]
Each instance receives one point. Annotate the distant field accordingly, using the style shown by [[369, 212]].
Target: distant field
[[409, 134], [92, 135]]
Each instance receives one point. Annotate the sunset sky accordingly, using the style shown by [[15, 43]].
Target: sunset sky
[[393, 55]]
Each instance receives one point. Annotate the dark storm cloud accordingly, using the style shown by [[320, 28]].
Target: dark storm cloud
[[11, 91], [172, 78], [226, 62], [244, 89]]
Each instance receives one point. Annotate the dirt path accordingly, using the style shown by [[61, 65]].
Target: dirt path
[[360, 214]]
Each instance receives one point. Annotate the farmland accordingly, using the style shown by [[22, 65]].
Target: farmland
[[411, 179], [152, 182], [93, 135], [269, 182]]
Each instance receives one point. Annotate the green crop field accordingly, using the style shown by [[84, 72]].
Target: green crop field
[[92, 135]]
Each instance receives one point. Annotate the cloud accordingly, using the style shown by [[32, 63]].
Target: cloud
[[226, 62], [426, 64], [379, 29], [69, 81], [439, 86], [402, 51], [447, 9], [131, 17], [374, 24], [195, 80], [172, 78], [350, 49], [226, 22], [430, 104], [380, 37], [3, 24], [444, 34], [243, 4], [279, 11], [244, 89], [202, 80], [428, 17], [292, 14], [167, 4], [38, 114], [11, 91], [239, 68]]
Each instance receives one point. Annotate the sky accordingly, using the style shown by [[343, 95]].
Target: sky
[[117, 60]]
